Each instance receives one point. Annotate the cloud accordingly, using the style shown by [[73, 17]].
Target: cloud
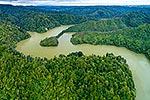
[[76, 2]]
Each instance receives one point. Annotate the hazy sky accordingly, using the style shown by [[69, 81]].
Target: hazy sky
[[76, 2]]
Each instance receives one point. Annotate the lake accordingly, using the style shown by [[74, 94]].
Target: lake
[[138, 63]]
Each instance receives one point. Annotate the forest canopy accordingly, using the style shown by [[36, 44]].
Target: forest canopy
[[51, 41], [72, 76], [135, 39]]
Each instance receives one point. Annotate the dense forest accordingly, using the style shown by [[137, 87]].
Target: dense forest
[[73, 76], [135, 39], [103, 25], [131, 30], [51, 41], [133, 19], [93, 12], [34, 20]]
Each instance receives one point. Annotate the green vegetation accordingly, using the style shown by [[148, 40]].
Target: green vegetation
[[51, 41], [135, 39], [94, 12], [33, 20], [74, 76], [118, 32], [42, 22], [133, 19], [103, 25], [10, 35]]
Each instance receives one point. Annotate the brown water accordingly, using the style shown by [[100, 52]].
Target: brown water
[[138, 63]]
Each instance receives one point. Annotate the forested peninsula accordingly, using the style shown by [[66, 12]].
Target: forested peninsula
[[135, 39], [131, 30], [67, 77]]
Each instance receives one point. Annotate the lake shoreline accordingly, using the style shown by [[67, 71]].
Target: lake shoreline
[[138, 63]]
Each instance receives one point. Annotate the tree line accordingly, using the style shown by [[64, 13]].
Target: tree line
[[135, 39], [35, 20], [74, 76], [132, 19]]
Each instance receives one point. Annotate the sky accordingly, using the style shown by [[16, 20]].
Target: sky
[[75, 2]]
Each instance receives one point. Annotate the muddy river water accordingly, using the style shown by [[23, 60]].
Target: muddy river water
[[138, 63]]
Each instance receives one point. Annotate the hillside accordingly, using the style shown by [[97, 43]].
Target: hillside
[[103, 25], [34, 20], [135, 39], [74, 76], [93, 12], [133, 19], [41, 19], [119, 32]]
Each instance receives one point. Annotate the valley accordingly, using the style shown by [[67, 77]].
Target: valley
[[137, 62], [67, 52]]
